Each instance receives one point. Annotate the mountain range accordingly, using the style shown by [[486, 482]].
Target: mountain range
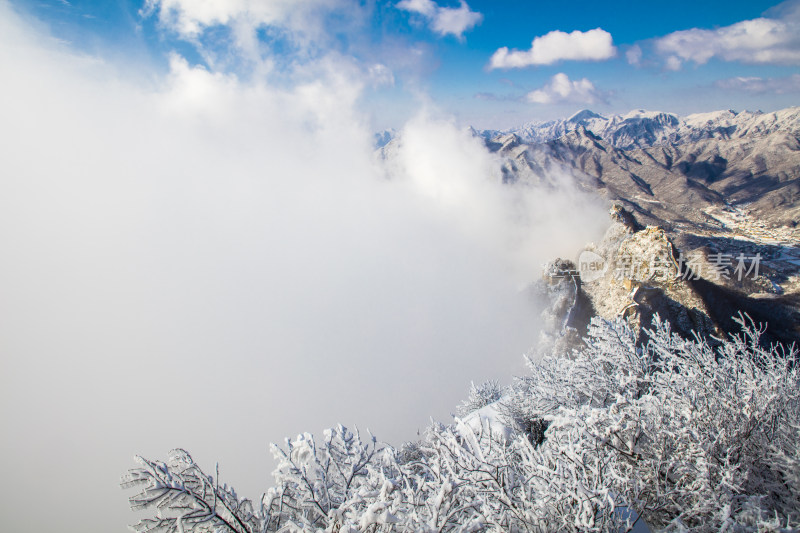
[[641, 129], [755, 165]]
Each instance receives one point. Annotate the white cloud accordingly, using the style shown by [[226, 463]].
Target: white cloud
[[634, 55], [423, 7], [190, 17], [673, 63], [455, 21], [763, 40], [380, 75], [225, 33], [303, 22], [593, 45], [561, 89], [444, 20], [788, 84]]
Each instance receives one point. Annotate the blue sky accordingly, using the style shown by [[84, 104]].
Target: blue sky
[[448, 66]]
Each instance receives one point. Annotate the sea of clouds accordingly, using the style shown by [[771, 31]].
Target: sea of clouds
[[195, 259]]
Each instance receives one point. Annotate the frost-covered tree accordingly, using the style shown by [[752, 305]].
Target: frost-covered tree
[[317, 484], [696, 437], [674, 433], [187, 499], [480, 396]]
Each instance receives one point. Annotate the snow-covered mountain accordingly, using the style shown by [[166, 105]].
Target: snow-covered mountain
[[640, 128]]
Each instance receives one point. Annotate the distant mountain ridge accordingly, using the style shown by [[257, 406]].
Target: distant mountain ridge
[[642, 129]]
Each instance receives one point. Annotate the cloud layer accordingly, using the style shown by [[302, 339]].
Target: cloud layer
[[759, 41], [560, 89], [190, 18], [227, 31], [202, 261], [756, 85], [444, 20], [593, 45]]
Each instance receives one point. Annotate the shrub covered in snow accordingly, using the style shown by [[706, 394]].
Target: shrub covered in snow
[[480, 396], [672, 433]]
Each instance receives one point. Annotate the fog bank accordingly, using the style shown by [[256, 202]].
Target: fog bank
[[199, 261]]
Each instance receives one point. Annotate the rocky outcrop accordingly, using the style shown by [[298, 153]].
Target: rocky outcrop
[[643, 273]]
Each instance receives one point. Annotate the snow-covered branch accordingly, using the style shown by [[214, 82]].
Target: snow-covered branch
[[672, 433]]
